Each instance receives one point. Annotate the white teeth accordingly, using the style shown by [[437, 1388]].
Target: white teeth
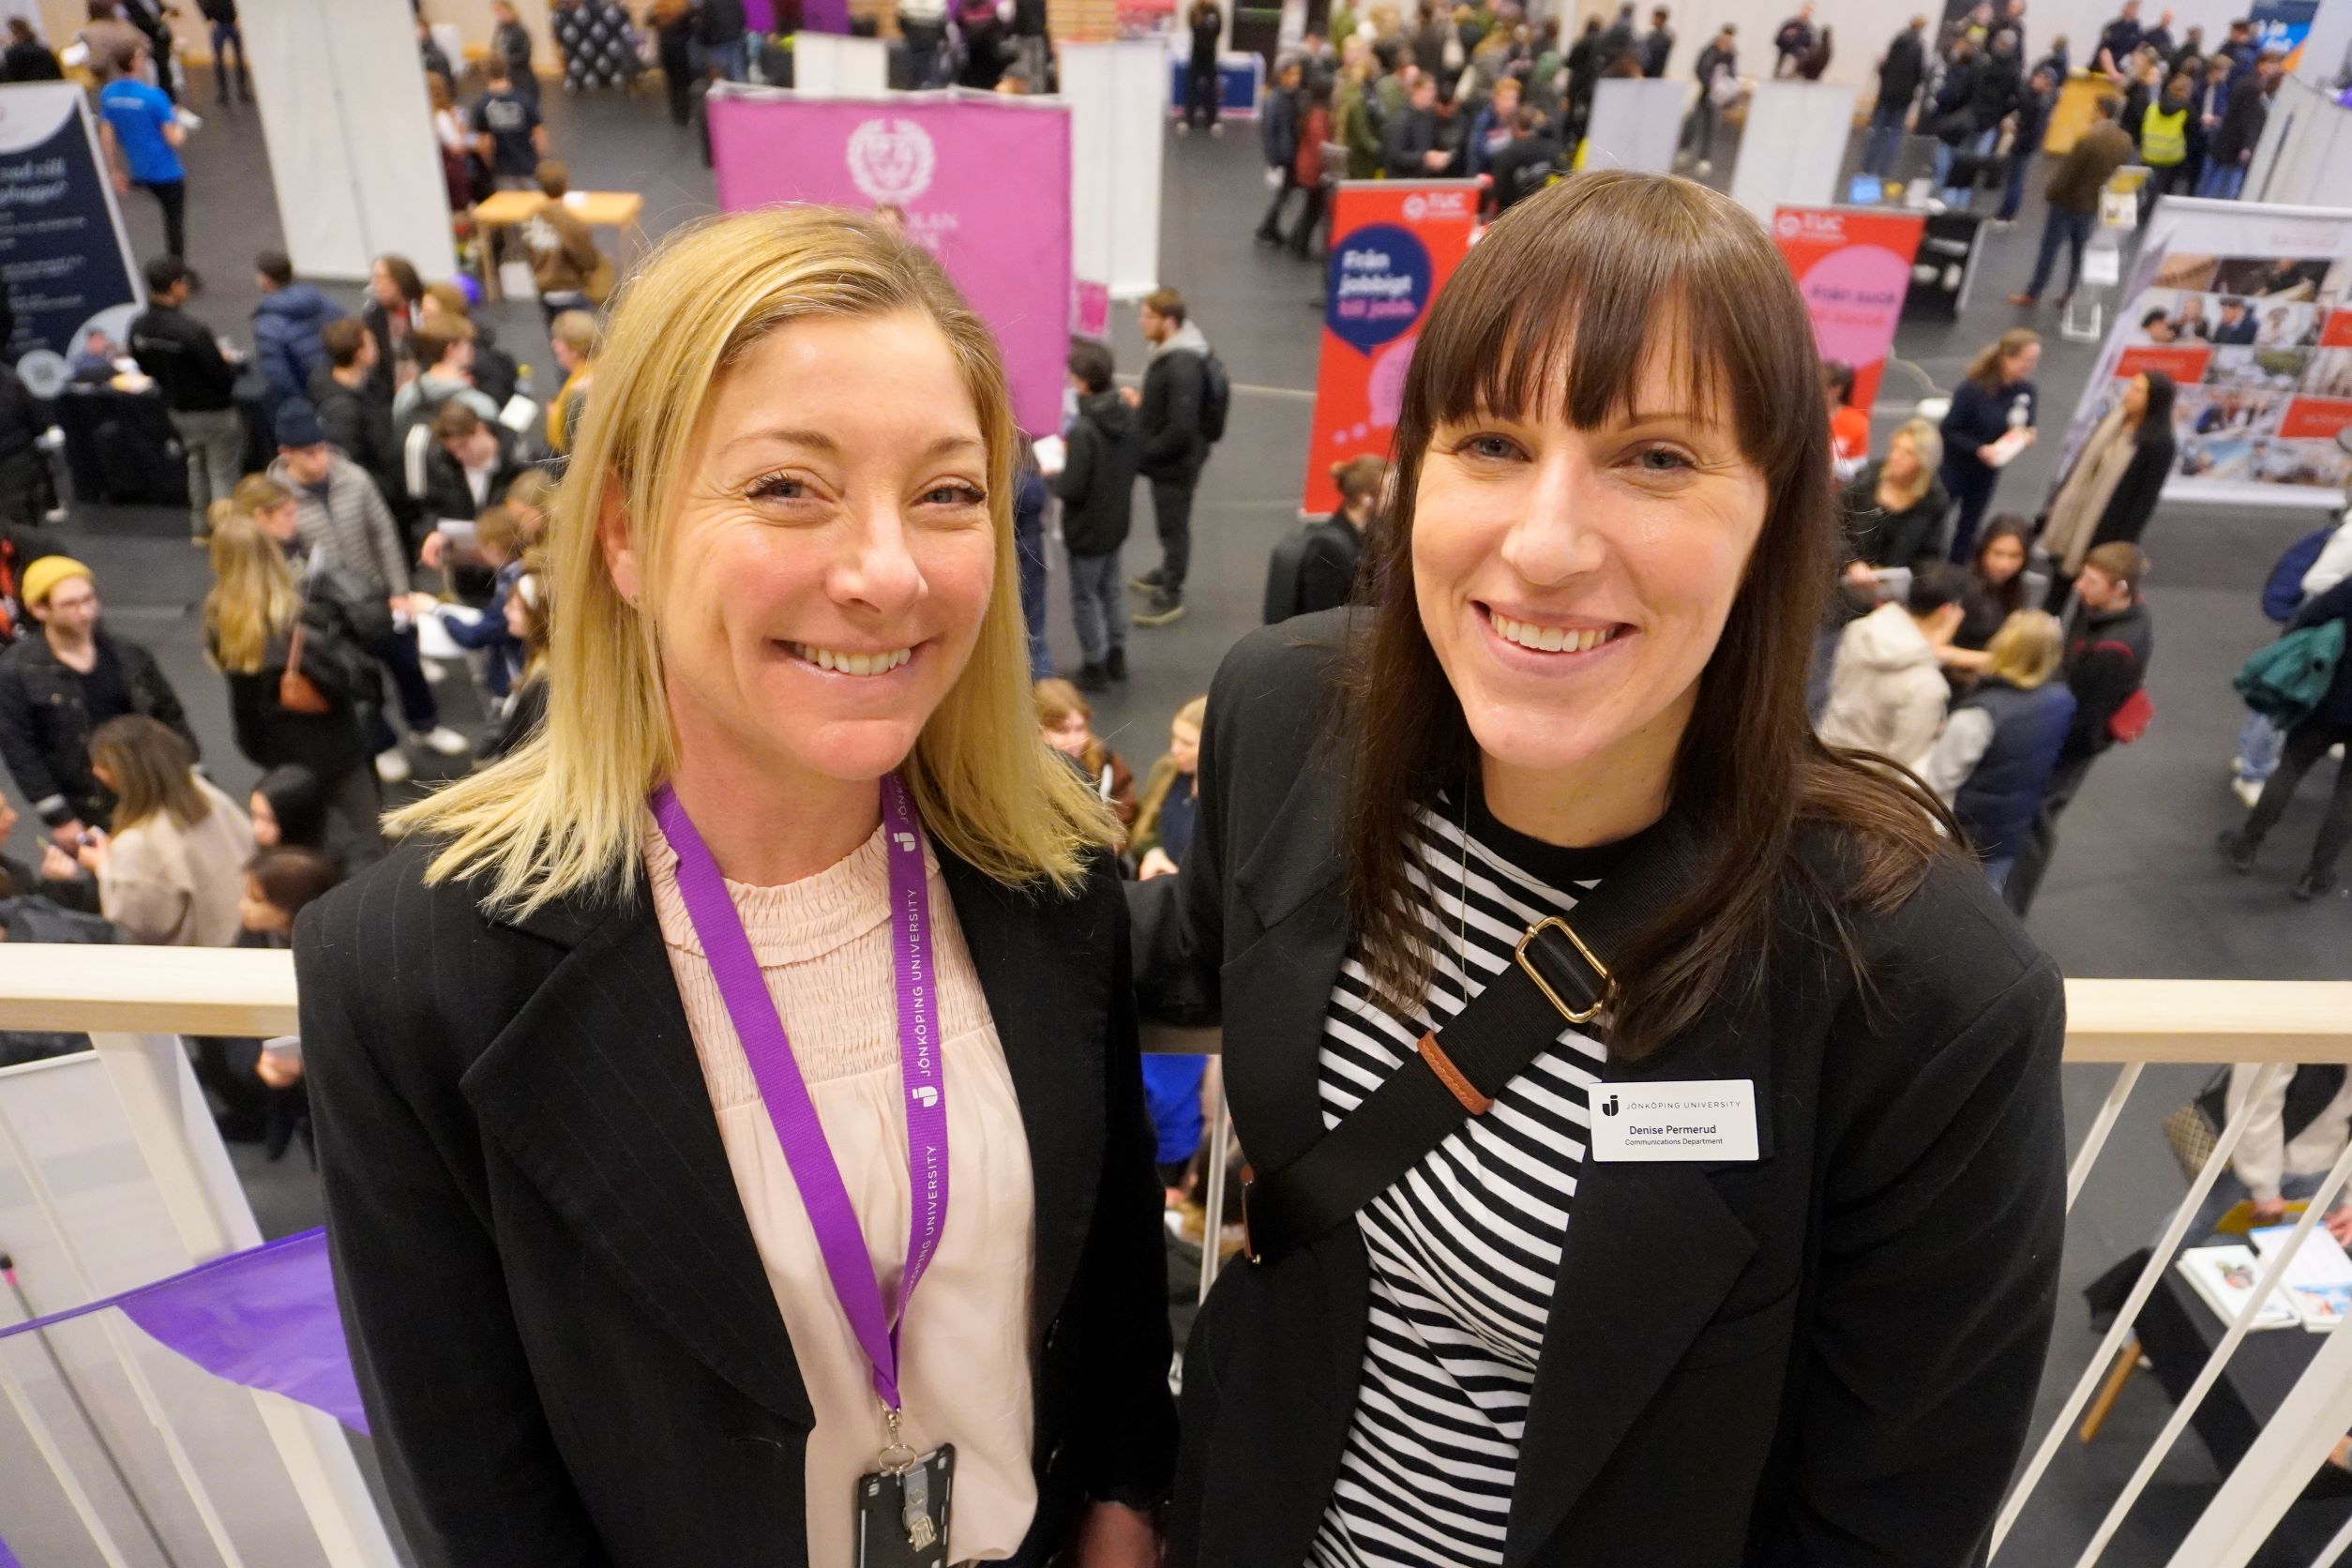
[[852, 664], [1550, 640]]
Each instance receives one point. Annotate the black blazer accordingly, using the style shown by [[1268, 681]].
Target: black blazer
[[1828, 1357], [566, 1339]]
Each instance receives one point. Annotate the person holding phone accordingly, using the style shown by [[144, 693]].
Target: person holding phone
[[1629, 1083], [728, 1107]]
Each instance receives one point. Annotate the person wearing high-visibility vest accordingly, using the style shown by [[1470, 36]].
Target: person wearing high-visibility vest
[[2164, 138]]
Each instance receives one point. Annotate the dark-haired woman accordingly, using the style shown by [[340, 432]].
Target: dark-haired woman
[[2117, 478], [1991, 420], [1576, 705], [288, 809], [1999, 585], [395, 303]]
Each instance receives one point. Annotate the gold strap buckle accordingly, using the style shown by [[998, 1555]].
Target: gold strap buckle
[[1608, 984]]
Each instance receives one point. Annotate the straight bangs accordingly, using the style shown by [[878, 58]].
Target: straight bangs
[[565, 812]]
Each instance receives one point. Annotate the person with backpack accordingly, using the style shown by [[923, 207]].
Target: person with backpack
[[2107, 650], [2311, 565], [1183, 401], [1315, 568], [1096, 487], [2325, 725]]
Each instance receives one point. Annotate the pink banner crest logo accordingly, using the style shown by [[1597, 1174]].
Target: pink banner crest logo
[[891, 160]]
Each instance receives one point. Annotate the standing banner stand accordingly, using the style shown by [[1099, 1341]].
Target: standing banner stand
[[1792, 145], [1636, 125], [984, 181], [1853, 265], [2249, 309], [830, 65], [350, 142], [1394, 244], [1117, 108], [65, 259]]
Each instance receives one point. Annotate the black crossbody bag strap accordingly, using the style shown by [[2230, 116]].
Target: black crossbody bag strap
[[1560, 977]]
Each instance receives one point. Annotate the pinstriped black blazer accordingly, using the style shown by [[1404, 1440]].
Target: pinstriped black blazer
[[561, 1325]]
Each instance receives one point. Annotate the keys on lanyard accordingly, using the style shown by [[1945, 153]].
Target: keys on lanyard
[[919, 1483]]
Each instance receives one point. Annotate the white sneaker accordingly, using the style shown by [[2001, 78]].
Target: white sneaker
[[1216, 128], [1704, 168], [2336, 752], [2247, 790], [392, 766], [435, 672], [446, 741]]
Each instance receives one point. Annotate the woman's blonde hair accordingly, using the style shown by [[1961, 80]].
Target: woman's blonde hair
[[564, 813], [1164, 775], [152, 770], [254, 596], [2027, 650], [1927, 445]]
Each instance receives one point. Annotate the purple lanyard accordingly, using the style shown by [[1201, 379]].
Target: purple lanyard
[[761, 1028]]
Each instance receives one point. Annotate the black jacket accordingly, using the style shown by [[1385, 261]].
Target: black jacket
[[180, 352], [1523, 168], [1412, 135], [21, 421], [1731, 1370], [2106, 660], [45, 723], [1175, 384], [569, 1348], [446, 493], [1903, 71], [31, 62], [2335, 705], [360, 422], [1096, 484], [2240, 130], [1877, 537], [339, 618]]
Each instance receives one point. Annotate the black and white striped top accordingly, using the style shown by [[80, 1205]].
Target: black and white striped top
[[1465, 1249]]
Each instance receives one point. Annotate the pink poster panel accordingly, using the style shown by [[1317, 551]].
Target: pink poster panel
[[984, 185]]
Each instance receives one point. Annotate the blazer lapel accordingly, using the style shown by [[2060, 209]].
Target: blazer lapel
[[594, 1090], [1653, 1251], [1051, 1013]]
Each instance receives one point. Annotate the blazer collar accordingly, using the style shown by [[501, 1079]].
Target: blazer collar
[[594, 1090]]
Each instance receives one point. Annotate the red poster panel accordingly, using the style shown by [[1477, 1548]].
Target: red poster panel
[[2314, 418], [1853, 269], [2185, 365], [1393, 243], [2337, 334]]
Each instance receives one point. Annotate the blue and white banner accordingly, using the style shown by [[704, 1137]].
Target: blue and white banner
[[64, 257]]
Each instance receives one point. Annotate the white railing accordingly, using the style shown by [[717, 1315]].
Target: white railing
[[135, 1002]]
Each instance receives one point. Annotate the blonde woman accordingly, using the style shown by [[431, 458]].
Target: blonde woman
[[1896, 509], [171, 871], [251, 618], [1999, 746], [728, 1110], [1171, 796]]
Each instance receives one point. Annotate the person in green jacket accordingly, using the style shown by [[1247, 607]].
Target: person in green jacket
[[1352, 123]]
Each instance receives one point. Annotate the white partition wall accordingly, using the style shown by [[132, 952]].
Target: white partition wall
[[829, 65], [1793, 145], [350, 135], [1636, 125], [2305, 159], [1118, 96]]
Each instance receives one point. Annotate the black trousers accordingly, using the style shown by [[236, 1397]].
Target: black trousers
[[1202, 89], [1269, 227], [2033, 858], [1310, 219], [1172, 510], [2306, 744], [172, 196]]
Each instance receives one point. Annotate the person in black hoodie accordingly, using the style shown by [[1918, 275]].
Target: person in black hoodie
[[470, 464], [198, 388], [1096, 487], [1899, 75], [2108, 644], [2328, 725], [357, 412], [1526, 166], [1203, 86], [1173, 400]]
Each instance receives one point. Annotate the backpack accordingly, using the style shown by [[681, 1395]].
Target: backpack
[[1216, 397], [2283, 593], [2285, 681]]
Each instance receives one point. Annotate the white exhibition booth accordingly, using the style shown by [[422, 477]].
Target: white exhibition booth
[[1636, 124], [1118, 96]]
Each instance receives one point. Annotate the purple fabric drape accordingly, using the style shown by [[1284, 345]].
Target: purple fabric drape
[[263, 1319]]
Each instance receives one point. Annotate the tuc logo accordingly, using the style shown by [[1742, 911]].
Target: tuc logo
[[891, 160], [1819, 225], [1436, 203]]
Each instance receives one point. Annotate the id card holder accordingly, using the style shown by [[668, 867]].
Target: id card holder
[[902, 1515]]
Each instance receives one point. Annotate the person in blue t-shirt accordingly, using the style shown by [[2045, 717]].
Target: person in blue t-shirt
[[143, 134]]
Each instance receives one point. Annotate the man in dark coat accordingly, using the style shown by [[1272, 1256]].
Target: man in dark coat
[[1901, 73], [1278, 133], [1096, 487]]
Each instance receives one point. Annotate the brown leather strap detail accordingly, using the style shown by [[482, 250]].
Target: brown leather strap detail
[[1450, 1075]]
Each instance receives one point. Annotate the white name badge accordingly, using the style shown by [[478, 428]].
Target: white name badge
[[1700, 1119]]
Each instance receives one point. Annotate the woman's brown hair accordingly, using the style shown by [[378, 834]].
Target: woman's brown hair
[[1559, 308], [1985, 369], [152, 768], [1056, 699]]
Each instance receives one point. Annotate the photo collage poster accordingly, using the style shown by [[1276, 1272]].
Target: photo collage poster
[[2260, 349]]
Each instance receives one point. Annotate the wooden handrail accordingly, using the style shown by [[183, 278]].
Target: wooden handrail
[[198, 990]]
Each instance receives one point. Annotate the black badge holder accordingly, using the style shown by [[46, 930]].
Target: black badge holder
[[902, 1510]]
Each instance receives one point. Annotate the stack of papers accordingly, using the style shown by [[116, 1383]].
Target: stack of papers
[[2318, 1278], [2225, 1276]]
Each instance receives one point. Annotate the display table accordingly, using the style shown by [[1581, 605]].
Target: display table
[[621, 211]]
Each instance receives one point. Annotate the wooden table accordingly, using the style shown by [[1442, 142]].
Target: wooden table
[[621, 211]]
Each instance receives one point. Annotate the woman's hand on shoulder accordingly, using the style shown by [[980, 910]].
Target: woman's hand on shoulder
[[1113, 1535]]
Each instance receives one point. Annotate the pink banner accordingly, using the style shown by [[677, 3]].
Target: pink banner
[[984, 185]]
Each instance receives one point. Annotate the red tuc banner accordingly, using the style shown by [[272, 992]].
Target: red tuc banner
[[1393, 243], [1853, 269]]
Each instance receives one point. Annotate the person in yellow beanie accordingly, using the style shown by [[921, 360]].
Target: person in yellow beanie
[[57, 687]]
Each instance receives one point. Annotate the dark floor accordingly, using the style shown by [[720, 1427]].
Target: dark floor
[[2135, 890]]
